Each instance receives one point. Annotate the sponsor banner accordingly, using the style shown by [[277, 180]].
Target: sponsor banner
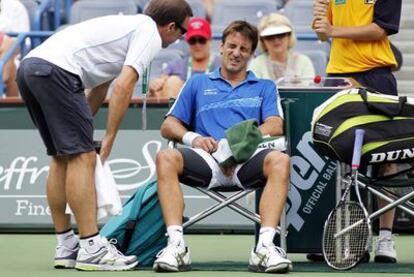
[[24, 167]]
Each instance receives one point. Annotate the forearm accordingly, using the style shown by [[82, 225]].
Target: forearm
[[272, 127], [96, 96], [362, 33], [118, 106], [173, 129]]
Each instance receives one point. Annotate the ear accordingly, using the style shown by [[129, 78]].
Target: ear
[[221, 48], [171, 26]]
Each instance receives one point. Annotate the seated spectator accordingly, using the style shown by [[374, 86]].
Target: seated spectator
[[277, 38], [211, 104], [13, 18], [200, 60]]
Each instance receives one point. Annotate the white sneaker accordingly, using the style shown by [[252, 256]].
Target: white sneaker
[[66, 257], [107, 258], [269, 259], [173, 258], [385, 250]]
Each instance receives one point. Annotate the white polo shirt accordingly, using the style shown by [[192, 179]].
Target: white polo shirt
[[97, 49]]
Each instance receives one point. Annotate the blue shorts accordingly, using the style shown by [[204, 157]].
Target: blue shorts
[[58, 107]]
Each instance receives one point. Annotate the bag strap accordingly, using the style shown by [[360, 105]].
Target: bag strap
[[137, 202], [388, 110]]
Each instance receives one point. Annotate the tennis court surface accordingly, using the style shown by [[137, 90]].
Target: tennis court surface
[[213, 255]]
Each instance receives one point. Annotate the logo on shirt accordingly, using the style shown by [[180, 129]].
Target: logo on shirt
[[369, 2], [340, 2], [210, 91]]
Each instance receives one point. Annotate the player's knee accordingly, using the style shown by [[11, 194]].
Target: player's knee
[[277, 162], [167, 158]]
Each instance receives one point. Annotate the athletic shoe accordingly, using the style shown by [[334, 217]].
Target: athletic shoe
[[385, 251], [66, 257], [173, 258], [269, 259], [107, 258]]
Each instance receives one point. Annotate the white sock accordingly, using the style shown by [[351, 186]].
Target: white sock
[[91, 244], [385, 233], [265, 237], [68, 239], [175, 234]]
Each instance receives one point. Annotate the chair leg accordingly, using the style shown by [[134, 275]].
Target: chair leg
[[235, 206], [214, 208]]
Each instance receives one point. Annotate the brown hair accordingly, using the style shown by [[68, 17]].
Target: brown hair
[[166, 11], [244, 28]]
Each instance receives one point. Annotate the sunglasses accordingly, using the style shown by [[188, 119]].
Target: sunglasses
[[195, 40], [181, 28], [279, 36]]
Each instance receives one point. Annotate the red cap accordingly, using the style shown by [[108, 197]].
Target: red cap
[[198, 27]]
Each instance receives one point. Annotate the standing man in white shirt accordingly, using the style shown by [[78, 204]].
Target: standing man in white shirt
[[13, 18], [52, 79]]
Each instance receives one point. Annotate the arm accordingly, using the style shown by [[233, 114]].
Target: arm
[[118, 105], [173, 129], [157, 84], [272, 126], [368, 32], [96, 96]]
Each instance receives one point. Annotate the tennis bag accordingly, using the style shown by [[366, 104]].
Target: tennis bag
[[388, 122], [140, 230]]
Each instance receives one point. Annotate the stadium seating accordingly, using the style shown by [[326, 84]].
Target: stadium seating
[[300, 13], [226, 11], [141, 5], [198, 8], [87, 9]]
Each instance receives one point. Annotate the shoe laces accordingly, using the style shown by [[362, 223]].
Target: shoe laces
[[385, 243], [112, 248], [273, 249], [170, 248]]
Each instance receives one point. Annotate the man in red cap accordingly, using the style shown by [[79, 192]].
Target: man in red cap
[[174, 75]]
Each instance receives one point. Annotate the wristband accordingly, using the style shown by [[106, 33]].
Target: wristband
[[189, 137]]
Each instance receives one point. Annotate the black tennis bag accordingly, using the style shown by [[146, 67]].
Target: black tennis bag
[[388, 122]]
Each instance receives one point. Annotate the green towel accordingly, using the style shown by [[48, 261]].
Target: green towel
[[241, 142]]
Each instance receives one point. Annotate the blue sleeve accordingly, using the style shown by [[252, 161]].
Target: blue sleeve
[[184, 104], [387, 14], [270, 100]]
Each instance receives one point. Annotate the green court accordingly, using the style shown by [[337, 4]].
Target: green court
[[213, 255]]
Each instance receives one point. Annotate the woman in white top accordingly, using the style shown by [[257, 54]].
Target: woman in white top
[[276, 40]]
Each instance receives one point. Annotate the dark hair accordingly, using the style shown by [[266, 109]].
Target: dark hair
[[244, 28], [167, 11]]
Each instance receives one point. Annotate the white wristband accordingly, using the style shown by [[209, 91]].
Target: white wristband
[[189, 137]]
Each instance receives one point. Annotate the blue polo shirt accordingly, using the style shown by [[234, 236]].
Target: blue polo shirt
[[209, 105]]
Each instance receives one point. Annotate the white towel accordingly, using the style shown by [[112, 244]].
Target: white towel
[[107, 195]]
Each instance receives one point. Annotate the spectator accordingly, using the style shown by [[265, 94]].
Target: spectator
[[13, 18], [200, 60], [361, 50], [277, 38], [52, 78], [210, 104]]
